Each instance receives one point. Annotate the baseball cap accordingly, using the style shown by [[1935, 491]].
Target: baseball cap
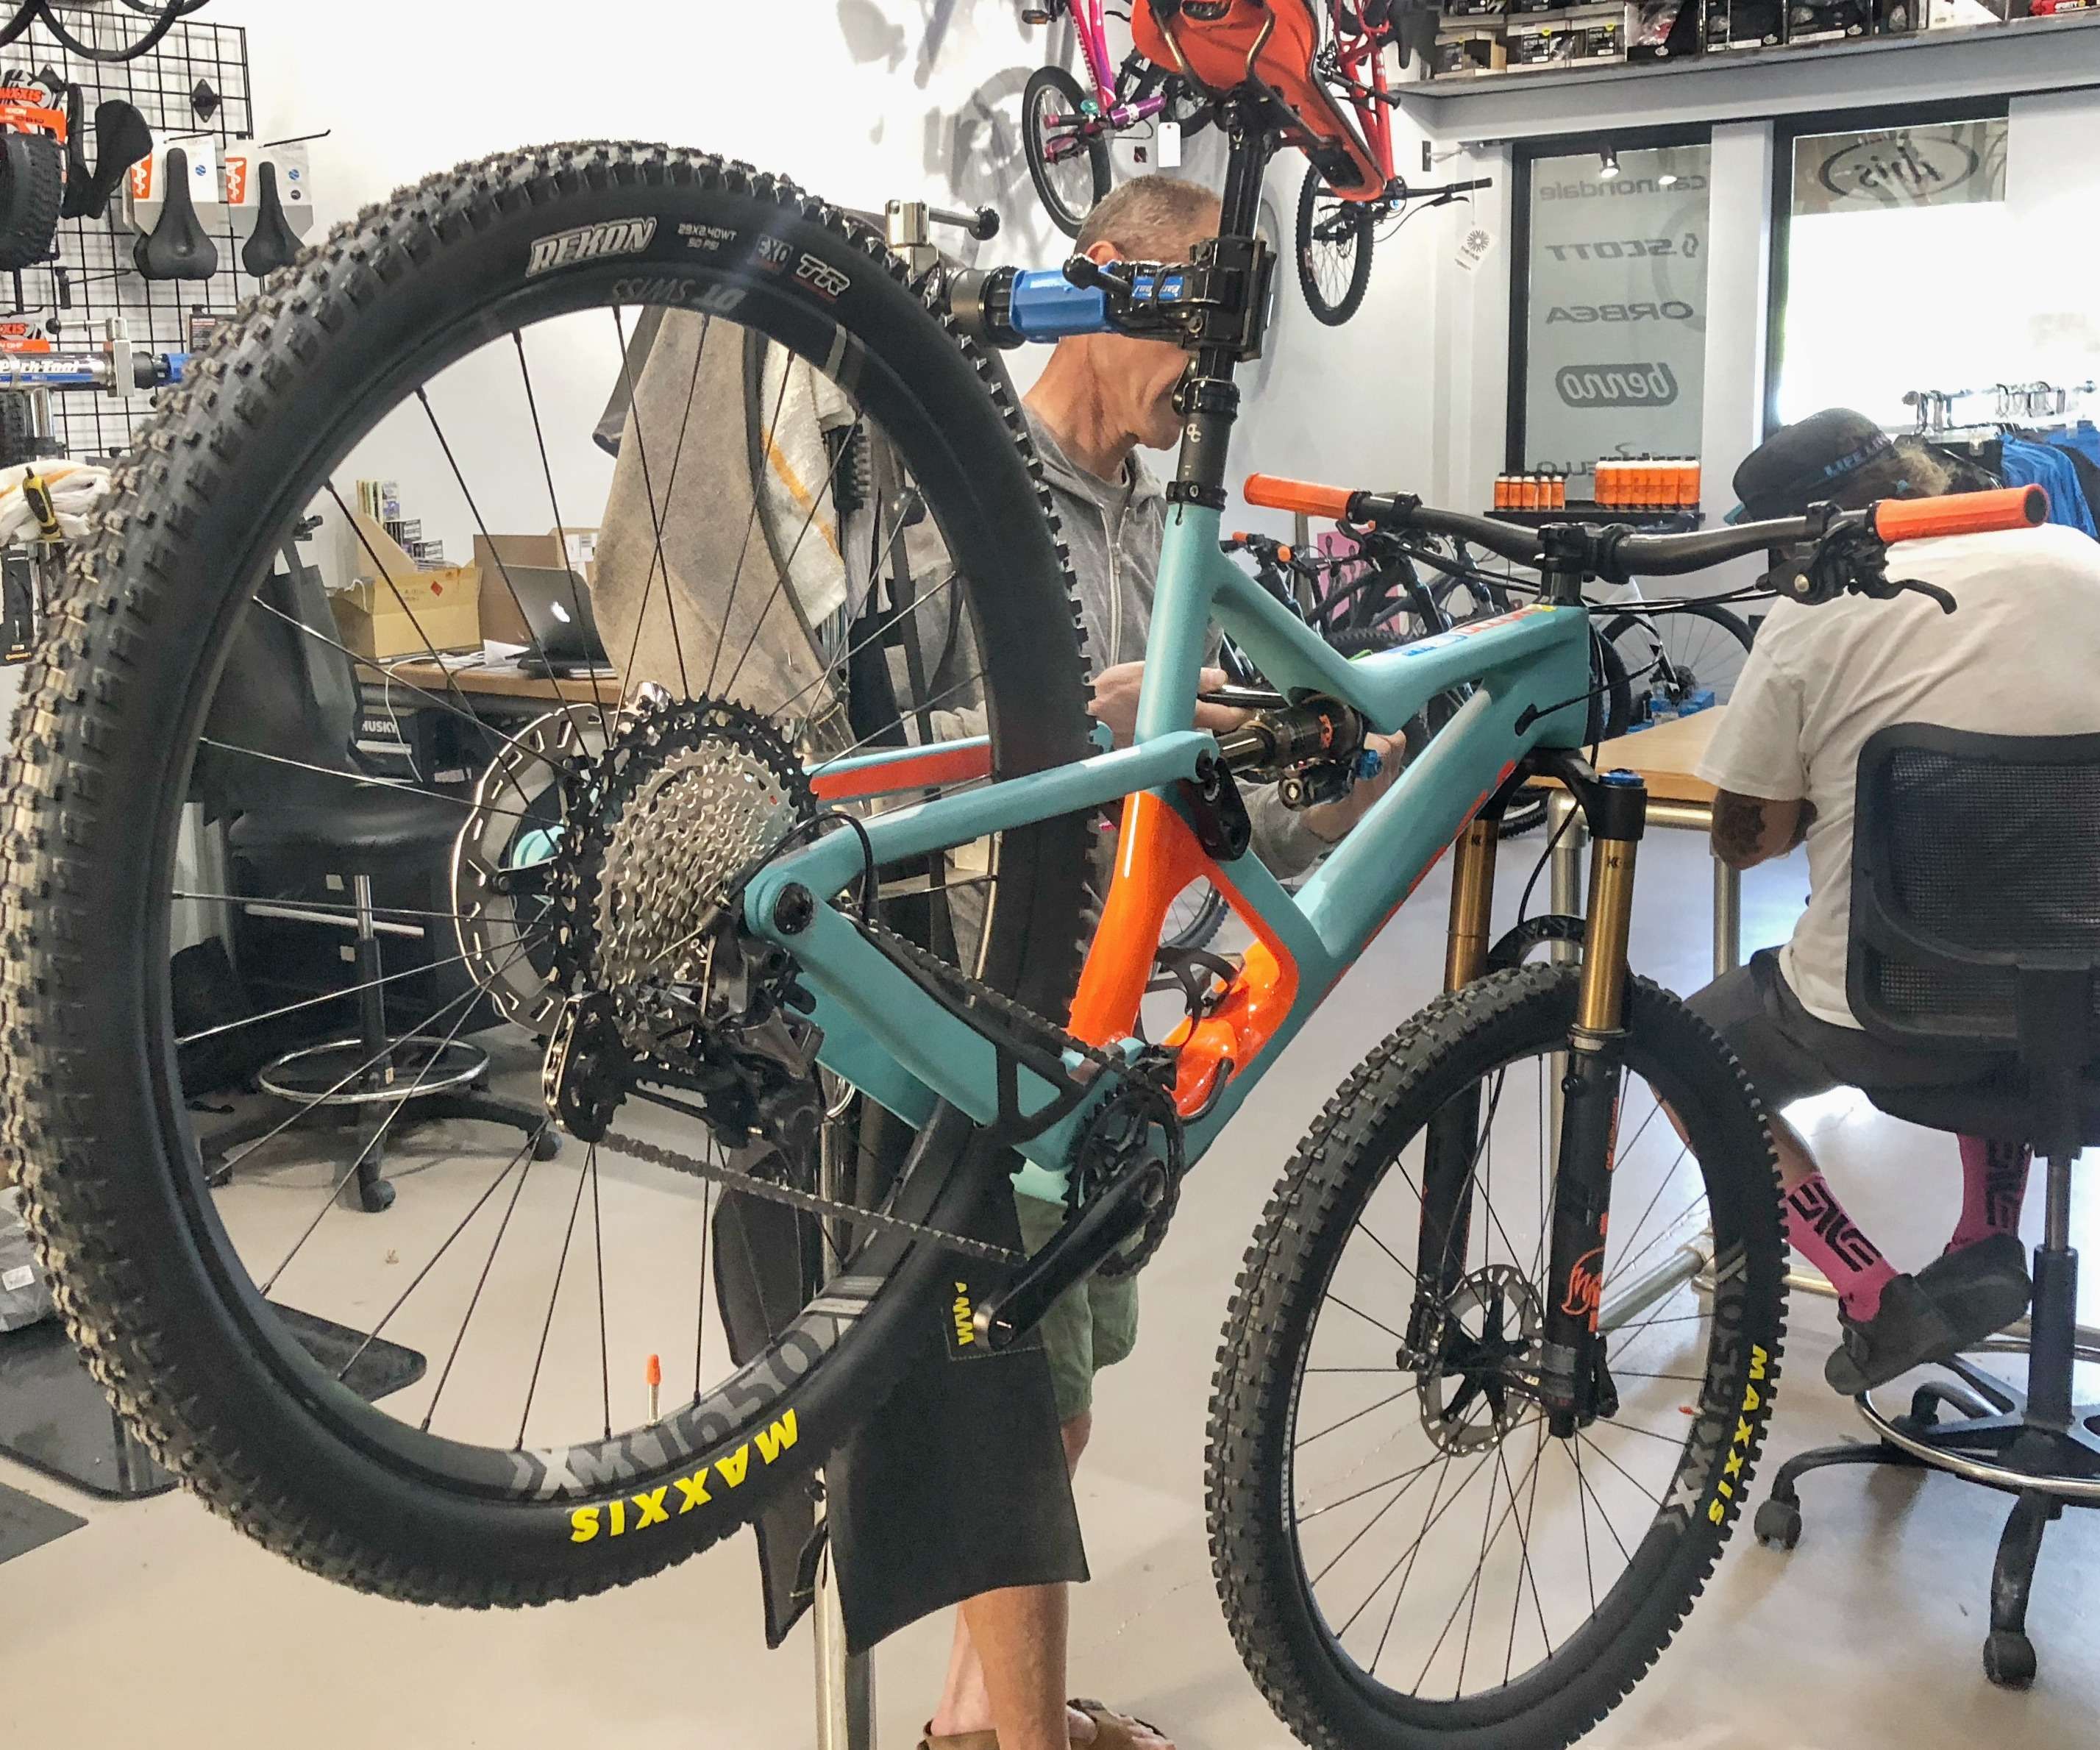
[[1799, 465]]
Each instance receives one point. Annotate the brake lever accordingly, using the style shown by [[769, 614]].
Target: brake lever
[[1947, 603]]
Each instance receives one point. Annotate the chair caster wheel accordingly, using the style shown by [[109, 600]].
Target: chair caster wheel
[[2009, 1658], [1778, 1524], [549, 1145], [373, 1198]]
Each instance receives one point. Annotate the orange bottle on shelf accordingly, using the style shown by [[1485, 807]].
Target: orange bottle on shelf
[[1501, 492]]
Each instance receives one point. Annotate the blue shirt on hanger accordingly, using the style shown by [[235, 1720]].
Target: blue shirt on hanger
[[2027, 463]]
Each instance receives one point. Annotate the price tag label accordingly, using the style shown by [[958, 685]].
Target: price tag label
[[1170, 145]]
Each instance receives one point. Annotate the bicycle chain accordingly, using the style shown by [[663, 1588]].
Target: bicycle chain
[[654, 1154]]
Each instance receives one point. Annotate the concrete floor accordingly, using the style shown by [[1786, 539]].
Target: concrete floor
[[157, 1622]]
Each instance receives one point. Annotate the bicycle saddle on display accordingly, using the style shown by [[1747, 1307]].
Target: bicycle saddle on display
[[121, 139], [273, 244], [178, 247], [1270, 45]]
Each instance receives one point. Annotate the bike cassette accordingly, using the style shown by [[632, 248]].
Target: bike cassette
[[686, 801], [1484, 1355]]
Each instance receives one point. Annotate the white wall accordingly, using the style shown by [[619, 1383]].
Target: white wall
[[860, 100], [863, 99]]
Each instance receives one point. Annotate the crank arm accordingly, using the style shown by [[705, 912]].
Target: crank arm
[[1080, 1246]]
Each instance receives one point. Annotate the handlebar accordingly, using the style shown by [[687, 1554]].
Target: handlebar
[[1616, 552]]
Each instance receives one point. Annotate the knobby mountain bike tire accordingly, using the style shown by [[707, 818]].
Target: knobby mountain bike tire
[[151, 1281], [1333, 272], [1261, 1461], [1067, 198]]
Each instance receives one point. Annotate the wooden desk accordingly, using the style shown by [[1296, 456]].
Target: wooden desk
[[1664, 757], [503, 681]]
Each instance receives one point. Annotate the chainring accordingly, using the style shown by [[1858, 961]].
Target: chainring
[[1119, 1131]]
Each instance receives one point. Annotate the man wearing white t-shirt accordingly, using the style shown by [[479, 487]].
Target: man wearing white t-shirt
[[2018, 657]]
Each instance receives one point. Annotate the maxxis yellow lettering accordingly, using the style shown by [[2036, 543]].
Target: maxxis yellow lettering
[[1739, 1447], [585, 1524], [966, 1332]]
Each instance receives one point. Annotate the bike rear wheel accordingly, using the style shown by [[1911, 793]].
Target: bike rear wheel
[[1067, 152], [502, 1475], [1335, 239], [1385, 1505]]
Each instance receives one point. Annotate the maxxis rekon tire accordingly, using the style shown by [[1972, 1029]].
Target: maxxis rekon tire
[[1056, 82], [1316, 1690], [91, 1115], [1334, 314]]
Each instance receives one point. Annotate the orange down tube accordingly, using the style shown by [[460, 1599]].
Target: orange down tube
[[1157, 856]]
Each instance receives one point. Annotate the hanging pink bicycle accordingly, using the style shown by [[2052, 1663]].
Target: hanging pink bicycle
[[1065, 127]]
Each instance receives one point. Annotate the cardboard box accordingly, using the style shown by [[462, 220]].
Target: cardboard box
[[499, 618], [1467, 54], [393, 609]]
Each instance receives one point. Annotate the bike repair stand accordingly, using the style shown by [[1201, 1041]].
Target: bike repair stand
[[846, 1681]]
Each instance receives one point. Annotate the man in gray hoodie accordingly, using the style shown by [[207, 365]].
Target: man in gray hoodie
[[1100, 399]]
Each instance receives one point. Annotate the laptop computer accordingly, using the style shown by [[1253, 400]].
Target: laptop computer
[[556, 605]]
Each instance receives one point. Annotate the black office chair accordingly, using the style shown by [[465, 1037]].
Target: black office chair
[[1976, 926], [277, 763]]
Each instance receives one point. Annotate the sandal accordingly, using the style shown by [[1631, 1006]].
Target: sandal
[[1112, 1730]]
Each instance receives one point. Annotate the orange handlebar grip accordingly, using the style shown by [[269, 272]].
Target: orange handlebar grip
[[1275, 493], [2011, 507]]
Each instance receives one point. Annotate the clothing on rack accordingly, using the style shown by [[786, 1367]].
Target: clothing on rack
[[2088, 470], [2029, 463], [2084, 438]]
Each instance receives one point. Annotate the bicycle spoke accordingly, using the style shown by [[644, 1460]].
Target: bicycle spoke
[[786, 565], [553, 1294], [401, 602], [750, 523], [392, 679], [1373, 1489], [524, 1151], [328, 996], [658, 564], [362, 780], [1407, 1392], [561, 524], [1526, 1572], [465, 1003], [597, 1238], [481, 1282], [706, 1234], [562, 700]]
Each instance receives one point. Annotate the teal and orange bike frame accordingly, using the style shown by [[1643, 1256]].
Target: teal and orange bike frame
[[1526, 675]]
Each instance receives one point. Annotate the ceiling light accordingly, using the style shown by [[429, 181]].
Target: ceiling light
[[1608, 163]]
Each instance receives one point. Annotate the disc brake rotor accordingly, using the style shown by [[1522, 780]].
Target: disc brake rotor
[[1476, 1386]]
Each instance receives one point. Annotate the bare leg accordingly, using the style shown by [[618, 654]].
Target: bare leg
[[1020, 1688]]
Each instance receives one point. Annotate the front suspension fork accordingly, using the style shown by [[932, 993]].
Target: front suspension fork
[[1573, 1385], [1453, 1136]]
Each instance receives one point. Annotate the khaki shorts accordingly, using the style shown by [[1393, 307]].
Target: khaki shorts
[[1089, 1327]]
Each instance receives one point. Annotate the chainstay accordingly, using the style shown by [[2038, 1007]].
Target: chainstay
[[654, 1154], [931, 967]]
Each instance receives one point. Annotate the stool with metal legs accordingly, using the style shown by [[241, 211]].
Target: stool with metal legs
[[1976, 929], [382, 1084]]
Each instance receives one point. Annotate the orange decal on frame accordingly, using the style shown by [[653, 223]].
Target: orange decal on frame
[[937, 766], [1157, 856]]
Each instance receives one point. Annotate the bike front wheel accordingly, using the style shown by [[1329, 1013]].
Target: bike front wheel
[[1406, 1557]]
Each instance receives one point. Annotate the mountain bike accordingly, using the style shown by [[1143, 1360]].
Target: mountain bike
[[1336, 227], [1065, 127], [1458, 1336]]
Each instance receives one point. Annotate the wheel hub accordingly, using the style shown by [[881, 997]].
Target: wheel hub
[[1478, 1376]]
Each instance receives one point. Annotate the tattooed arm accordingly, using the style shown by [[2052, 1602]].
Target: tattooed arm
[[1749, 829]]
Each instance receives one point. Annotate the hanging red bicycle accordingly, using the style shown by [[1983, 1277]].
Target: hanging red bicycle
[[1065, 127], [1335, 233]]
